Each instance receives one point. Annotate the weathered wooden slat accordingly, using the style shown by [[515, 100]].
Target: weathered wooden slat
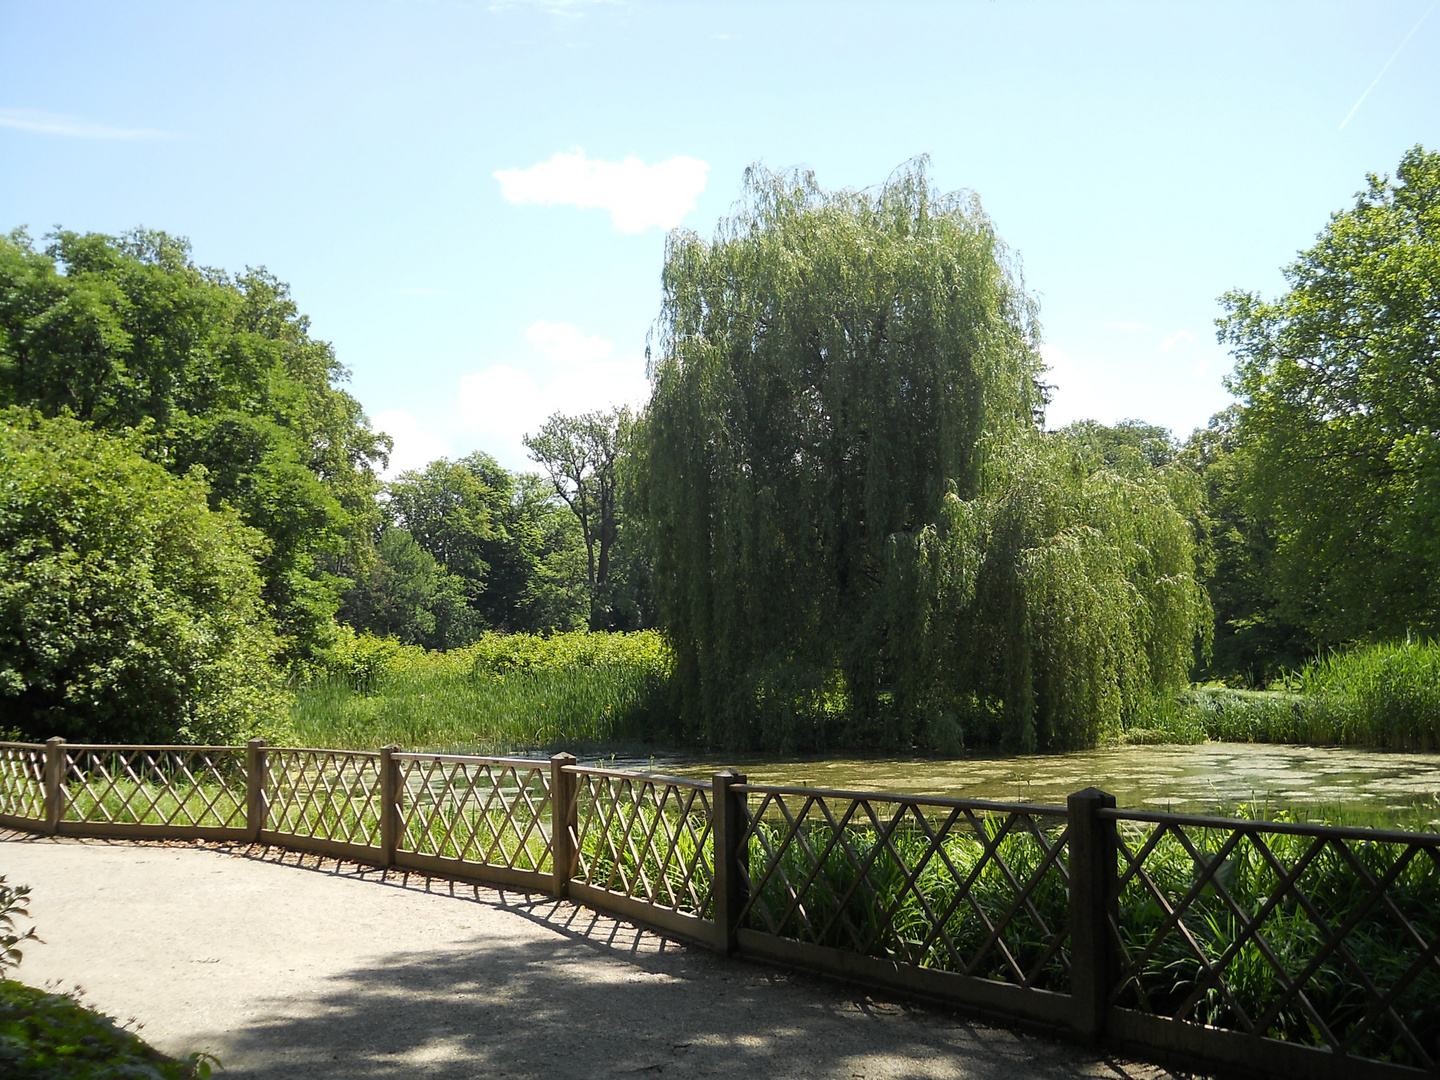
[[1196, 1046], [689, 927], [1043, 1007], [482, 873], [117, 830], [22, 824], [336, 849]]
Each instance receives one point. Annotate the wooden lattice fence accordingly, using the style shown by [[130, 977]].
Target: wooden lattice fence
[[1272, 947]]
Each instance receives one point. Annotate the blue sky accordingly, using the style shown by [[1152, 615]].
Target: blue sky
[[470, 200]]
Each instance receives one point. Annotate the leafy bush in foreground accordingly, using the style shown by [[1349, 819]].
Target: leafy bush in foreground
[[56, 1037]]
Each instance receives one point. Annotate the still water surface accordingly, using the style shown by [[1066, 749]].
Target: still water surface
[[1361, 786]]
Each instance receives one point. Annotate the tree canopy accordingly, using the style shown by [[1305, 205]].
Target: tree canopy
[[844, 431], [128, 333], [129, 611], [1339, 380]]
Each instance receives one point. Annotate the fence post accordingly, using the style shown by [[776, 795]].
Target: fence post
[[564, 823], [389, 805], [730, 813], [1092, 894], [54, 782], [257, 763]]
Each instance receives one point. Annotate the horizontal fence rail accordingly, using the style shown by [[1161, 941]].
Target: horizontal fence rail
[[1277, 948]]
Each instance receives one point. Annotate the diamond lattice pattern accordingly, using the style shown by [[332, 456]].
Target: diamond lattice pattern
[[942, 886], [150, 786], [325, 795], [1320, 939], [647, 838], [482, 812], [22, 781]]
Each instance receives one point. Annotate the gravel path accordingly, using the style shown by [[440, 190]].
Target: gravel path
[[292, 966]]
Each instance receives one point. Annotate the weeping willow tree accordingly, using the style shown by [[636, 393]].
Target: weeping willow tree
[[860, 534]]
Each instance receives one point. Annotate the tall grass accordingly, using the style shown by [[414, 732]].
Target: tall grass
[[1382, 695], [1385, 695], [502, 693]]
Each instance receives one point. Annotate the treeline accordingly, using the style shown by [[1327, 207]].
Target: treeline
[[841, 504], [191, 509], [465, 547]]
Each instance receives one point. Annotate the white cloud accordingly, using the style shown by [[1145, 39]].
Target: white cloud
[[564, 343], [571, 373], [75, 127], [1072, 395], [637, 195], [1180, 337], [415, 447]]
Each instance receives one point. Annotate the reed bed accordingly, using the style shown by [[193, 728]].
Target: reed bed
[[502, 693]]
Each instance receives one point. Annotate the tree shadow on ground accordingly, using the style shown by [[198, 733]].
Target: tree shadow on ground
[[605, 998]]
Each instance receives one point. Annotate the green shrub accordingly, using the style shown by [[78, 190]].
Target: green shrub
[[129, 610], [14, 904], [47, 1036]]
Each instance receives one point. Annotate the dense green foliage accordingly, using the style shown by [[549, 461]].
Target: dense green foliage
[[505, 557], [1388, 694], [1340, 417], [57, 1037], [1055, 608], [840, 503], [129, 610], [502, 692], [218, 371], [859, 533]]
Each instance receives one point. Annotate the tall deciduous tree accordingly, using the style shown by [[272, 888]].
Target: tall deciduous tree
[[859, 531], [1340, 384], [220, 372], [582, 457]]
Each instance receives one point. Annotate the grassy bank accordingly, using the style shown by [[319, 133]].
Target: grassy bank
[[501, 693], [584, 690], [1385, 696]]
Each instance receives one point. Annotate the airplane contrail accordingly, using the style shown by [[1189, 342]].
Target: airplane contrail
[[1387, 65]]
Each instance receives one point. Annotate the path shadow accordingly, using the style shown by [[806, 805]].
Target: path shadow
[[552, 1008]]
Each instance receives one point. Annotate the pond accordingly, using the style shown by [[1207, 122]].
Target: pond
[[1363, 787]]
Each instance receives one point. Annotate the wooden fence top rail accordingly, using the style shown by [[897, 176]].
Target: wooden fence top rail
[[1037, 809], [22, 746], [1288, 828], [317, 750], [145, 748], [629, 774], [475, 759]]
